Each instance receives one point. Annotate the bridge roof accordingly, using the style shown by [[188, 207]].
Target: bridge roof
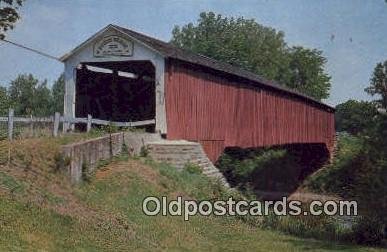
[[168, 50]]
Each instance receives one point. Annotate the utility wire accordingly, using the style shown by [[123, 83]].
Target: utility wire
[[31, 49]]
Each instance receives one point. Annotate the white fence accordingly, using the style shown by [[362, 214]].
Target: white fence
[[55, 121]]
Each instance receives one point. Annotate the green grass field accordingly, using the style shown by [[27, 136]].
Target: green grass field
[[41, 211]]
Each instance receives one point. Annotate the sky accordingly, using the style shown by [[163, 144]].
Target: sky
[[351, 33]]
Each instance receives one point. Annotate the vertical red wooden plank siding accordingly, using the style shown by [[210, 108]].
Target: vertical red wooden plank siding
[[213, 149], [219, 112]]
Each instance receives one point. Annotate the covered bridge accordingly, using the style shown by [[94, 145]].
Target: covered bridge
[[122, 75]]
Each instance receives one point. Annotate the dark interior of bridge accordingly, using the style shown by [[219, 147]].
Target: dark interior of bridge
[[116, 91]]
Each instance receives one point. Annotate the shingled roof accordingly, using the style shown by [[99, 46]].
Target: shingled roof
[[168, 50]]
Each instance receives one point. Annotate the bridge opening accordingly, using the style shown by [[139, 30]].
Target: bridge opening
[[116, 91], [271, 173]]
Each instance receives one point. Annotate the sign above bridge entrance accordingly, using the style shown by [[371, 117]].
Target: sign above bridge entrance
[[113, 46]]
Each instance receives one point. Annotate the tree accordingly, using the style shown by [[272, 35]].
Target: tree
[[8, 15], [307, 72], [241, 42], [42, 100], [21, 92], [378, 83], [4, 101], [28, 97], [355, 117], [58, 94], [256, 48]]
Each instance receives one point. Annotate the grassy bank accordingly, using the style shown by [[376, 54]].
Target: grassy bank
[[41, 210]]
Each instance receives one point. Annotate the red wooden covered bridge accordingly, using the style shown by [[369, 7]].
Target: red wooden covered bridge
[[121, 75]]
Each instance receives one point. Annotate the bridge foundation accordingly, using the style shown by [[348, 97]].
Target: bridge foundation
[[180, 152]]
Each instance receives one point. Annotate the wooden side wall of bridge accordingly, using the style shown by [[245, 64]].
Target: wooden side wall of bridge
[[221, 110]]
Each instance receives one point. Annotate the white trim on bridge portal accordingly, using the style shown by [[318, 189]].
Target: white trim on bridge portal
[[85, 53]]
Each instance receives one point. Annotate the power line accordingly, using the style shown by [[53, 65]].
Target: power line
[[31, 49]]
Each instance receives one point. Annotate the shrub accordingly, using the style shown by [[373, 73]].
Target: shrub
[[144, 152], [356, 174], [86, 176], [61, 161], [368, 230], [268, 169], [339, 175], [192, 168], [359, 172]]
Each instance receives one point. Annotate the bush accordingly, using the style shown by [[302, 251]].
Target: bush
[[368, 230], [86, 176], [144, 152], [61, 161], [356, 174], [359, 172], [319, 227], [192, 168], [338, 177], [256, 169], [278, 169]]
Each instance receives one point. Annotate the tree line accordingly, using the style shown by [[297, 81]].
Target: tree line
[[29, 96], [262, 50], [358, 117]]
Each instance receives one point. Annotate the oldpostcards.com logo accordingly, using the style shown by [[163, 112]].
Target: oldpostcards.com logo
[[153, 206]]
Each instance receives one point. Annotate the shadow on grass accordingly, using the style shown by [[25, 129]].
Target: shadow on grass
[[316, 245]]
